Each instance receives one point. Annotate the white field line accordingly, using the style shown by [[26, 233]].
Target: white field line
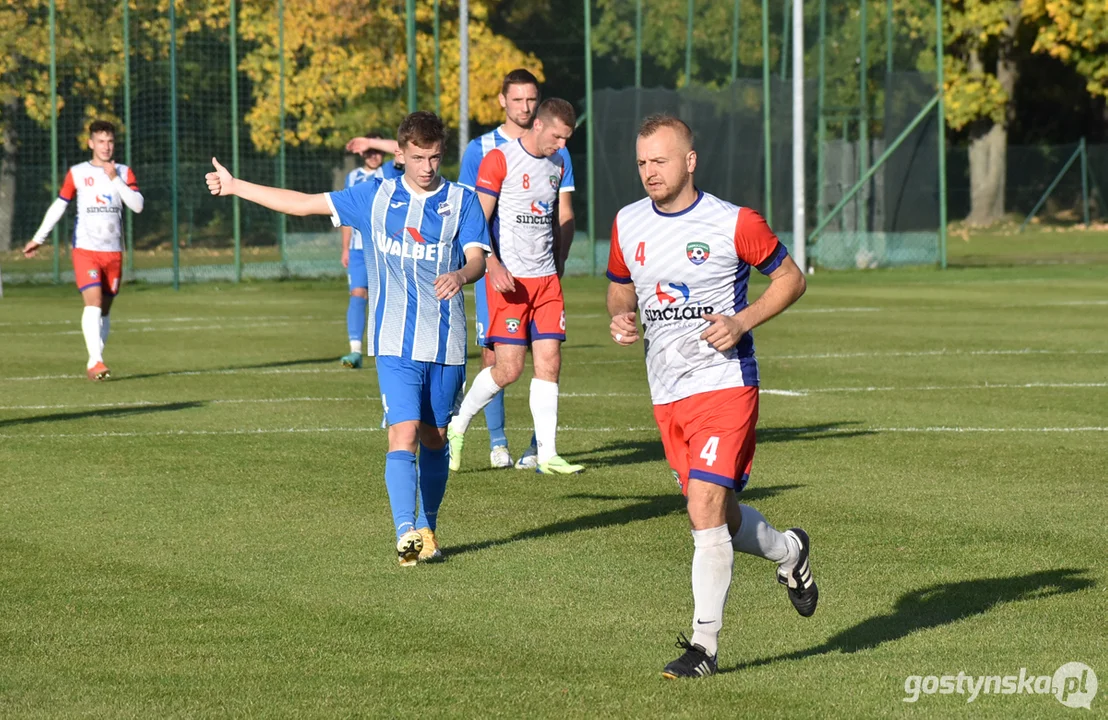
[[125, 320], [374, 399], [178, 328], [624, 429]]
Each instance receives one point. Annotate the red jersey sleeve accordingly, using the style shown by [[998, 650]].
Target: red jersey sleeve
[[491, 174], [617, 266], [69, 189], [756, 244], [130, 179]]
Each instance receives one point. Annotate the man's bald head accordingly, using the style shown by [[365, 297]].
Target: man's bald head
[[654, 123]]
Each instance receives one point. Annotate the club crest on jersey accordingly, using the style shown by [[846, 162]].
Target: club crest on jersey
[[444, 209], [555, 181], [512, 324], [666, 297], [698, 252]]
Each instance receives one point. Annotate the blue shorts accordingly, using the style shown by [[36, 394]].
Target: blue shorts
[[481, 303], [416, 390], [356, 273]]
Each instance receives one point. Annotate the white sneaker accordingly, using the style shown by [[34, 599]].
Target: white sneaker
[[500, 458], [528, 460]]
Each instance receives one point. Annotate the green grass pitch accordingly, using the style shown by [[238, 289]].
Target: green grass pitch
[[208, 533]]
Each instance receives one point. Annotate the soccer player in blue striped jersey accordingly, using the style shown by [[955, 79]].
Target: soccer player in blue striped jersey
[[424, 238], [373, 166], [519, 96]]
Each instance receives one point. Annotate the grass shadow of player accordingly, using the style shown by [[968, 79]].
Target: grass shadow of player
[[113, 412], [643, 507], [631, 452], [256, 366], [939, 605]]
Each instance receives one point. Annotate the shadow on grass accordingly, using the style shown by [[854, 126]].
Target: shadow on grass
[[939, 605], [103, 413], [257, 366], [643, 507], [630, 452]]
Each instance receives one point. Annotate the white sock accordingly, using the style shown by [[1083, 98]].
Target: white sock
[[480, 394], [757, 537], [105, 328], [90, 328], [355, 346], [544, 412], [712, 561]]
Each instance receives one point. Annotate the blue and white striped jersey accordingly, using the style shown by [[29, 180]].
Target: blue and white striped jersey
[[361, 175], [479, 147], [415, 237]]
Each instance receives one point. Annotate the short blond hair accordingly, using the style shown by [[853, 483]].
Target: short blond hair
[[654, 123]]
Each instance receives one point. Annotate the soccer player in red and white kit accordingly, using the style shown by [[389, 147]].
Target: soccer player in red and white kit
[[518, 184], [682, 257], [102, 187]]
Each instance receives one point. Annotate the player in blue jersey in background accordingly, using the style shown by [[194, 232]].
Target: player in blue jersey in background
[[373, 166], [519, 96], [425, 238]]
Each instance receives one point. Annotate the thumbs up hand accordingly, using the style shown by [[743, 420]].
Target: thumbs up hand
[[220, 182]]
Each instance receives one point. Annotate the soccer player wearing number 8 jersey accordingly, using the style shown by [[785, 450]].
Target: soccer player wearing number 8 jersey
[[518, 184], [102, 188], [424, 238], [682, 258]]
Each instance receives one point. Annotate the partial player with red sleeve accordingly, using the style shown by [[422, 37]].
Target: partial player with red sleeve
[[682, 258]]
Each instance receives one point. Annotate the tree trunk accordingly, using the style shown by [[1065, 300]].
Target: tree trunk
[[987, 160], [988, 154], [7, 176]]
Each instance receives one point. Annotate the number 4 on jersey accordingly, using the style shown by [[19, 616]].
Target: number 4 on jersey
[[640, 254]]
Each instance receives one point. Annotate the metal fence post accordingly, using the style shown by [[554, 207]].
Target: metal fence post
[[129, 219], [590, 168], [409, 28], [688, 43], [939, 54], [438, 83], [236, 210], [282, 221], [173, 141], [1085, 179], [766, 120], [863, 124], [821, 122], [55, 235]]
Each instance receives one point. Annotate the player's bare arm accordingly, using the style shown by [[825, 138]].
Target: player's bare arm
[[499, 278], [786, 285], [449, 284], [362, 144], [346, 234], [221, 182], [622, 303], [567, 226]]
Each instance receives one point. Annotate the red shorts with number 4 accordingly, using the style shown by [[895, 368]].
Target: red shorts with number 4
[[535, 310], [710, 436], [92, 268]]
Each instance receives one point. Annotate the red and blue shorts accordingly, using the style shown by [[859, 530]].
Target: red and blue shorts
[[535, 310], [92, 268], [710, 436]]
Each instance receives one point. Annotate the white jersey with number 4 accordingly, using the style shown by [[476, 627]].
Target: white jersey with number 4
[[684, 266]]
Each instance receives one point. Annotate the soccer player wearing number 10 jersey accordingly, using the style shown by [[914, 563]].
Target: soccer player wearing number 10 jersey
[[424, 238], [682, 257], [102, 188]]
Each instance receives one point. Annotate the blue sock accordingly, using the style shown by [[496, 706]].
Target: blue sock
[[494, 418], [534, 440], [355, 318], [400, 481], [433, 469]]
